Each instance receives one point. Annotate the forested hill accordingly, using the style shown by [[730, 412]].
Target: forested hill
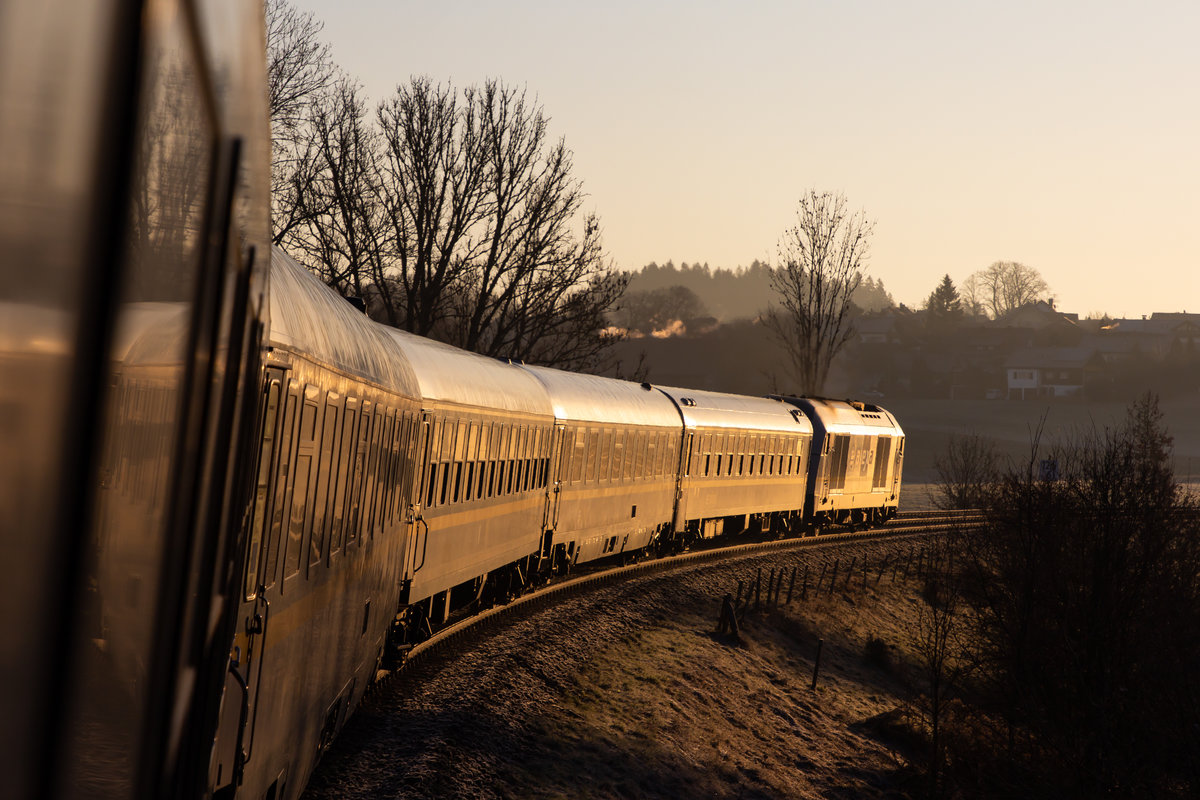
[[726, 293], [738, 293]]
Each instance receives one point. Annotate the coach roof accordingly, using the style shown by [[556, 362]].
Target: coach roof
[[310, 318], [701, 409], [590, 398]]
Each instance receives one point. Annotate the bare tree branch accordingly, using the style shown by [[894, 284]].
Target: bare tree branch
[[821, 263]]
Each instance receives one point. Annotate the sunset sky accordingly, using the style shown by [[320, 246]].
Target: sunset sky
[[1062, 135]]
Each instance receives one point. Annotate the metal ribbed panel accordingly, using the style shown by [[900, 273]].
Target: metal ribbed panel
[[703, 409], [310, 318], [839, 416], [590, 398], [450, 375]]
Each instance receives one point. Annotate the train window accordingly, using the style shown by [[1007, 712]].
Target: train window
[[589, 456], [399, 465], [628, 454], [271, 562], [576, 445], [883, 453], [316, 540], [358, 472], [429, 457], [367, 501], [469, 482], [346, 446], [300, 490], [839, 455], [460, 441], [291, 563], [385, 476], [262, 487], [602, 456]]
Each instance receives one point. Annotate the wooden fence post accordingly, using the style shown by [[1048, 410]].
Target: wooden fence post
[[817, 663]]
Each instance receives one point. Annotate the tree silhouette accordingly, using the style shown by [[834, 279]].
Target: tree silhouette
[[821, 262], [1004, 286]]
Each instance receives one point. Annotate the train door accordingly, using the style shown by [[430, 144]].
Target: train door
[[558, 458], [683, 470], [245, 664], [423, 488]]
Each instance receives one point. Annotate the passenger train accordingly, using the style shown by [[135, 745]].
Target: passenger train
[[228, 496]]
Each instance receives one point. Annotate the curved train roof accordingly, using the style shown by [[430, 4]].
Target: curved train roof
[[590, 398], [450, 375], [719, 410], [309, 317], [842, 416]]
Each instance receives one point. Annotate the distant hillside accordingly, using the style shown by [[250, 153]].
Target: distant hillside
[[727, 294], [739, 293]]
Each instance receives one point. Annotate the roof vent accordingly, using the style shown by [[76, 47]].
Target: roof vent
[[646, 386], [687, 401]]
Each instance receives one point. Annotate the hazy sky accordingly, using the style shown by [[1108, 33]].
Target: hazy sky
[[1062, 135]]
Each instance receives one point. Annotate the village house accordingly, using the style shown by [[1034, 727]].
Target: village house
[[1051, 371]]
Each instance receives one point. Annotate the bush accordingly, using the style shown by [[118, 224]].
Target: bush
[[876, 653], [1087, 593]]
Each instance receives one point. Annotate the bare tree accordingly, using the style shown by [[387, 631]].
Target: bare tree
[[1005, 286], [299, 72], [966, 472], [337, 223], [299, 65], [494, 252], [941, 655], [821, 262]]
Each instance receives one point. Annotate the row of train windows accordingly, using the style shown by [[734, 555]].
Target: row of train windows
[[323, 481], [599, 455], [851, 458], [477, 480], [727, 454], [718, 464], [473, 460]]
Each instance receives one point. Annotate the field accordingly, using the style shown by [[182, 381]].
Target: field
[[929, 424], [626, 691]]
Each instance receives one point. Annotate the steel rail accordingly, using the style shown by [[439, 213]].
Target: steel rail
[[458, 633]]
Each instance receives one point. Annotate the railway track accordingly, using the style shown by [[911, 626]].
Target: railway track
[[459, 634]]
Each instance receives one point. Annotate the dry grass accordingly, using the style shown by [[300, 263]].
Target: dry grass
[[698, 713]]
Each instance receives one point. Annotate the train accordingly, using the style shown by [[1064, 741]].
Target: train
[[229, 496]]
